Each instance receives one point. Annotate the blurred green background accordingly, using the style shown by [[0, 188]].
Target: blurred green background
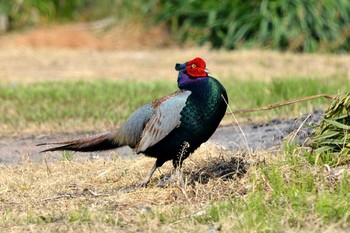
[[294, 25]]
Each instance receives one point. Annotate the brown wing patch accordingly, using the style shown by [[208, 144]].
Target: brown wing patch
[[157, 102]]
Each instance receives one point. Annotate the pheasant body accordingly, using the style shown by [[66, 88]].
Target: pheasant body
[[199, 120], [171, 127]]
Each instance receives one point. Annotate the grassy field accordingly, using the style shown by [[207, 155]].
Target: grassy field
[[226, 192], [102, 105]]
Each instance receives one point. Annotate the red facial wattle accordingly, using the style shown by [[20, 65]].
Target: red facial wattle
[[196, 68]]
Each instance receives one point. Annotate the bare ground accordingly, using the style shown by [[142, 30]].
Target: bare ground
[[247, 138]]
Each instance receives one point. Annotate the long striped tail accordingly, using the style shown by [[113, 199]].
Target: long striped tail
[[104, 141]]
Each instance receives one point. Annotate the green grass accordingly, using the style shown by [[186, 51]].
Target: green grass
[[63, 106], [295, 25], [39, 12], [288, 194], [82, 104]]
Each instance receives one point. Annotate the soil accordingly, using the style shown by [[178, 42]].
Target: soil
[[247, 138]]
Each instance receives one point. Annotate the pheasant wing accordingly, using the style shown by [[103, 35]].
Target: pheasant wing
[[130, 131], [165, 117]]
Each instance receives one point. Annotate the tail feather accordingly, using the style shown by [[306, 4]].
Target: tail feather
[[104, 141]]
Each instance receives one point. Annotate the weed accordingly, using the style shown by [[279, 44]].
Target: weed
[[331, 140], [66, 155]]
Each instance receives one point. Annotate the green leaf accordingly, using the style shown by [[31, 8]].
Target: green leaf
[[338, 124], [326, 135], [341, 116]]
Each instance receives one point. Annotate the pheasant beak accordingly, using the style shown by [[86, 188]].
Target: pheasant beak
[[207, 71], [179, 67]]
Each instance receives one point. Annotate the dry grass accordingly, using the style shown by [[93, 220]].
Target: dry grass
[[31, 192], [44, 64], [98, 195], [124, 52]]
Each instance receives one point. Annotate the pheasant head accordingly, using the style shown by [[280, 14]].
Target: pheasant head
[[194, 68], [191, 72]]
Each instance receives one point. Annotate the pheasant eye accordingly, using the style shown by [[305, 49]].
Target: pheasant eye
[[193, 66]]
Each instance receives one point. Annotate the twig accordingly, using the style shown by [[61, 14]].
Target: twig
[[299, 128], [48, 170], [94, 193], [280, 104], [244, 138], [68, 195]]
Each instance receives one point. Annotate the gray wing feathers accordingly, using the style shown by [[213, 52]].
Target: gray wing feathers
[[164, 119], [130, 132]]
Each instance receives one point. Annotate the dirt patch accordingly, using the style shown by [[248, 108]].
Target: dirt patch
[[247, 138], [87, 36]]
